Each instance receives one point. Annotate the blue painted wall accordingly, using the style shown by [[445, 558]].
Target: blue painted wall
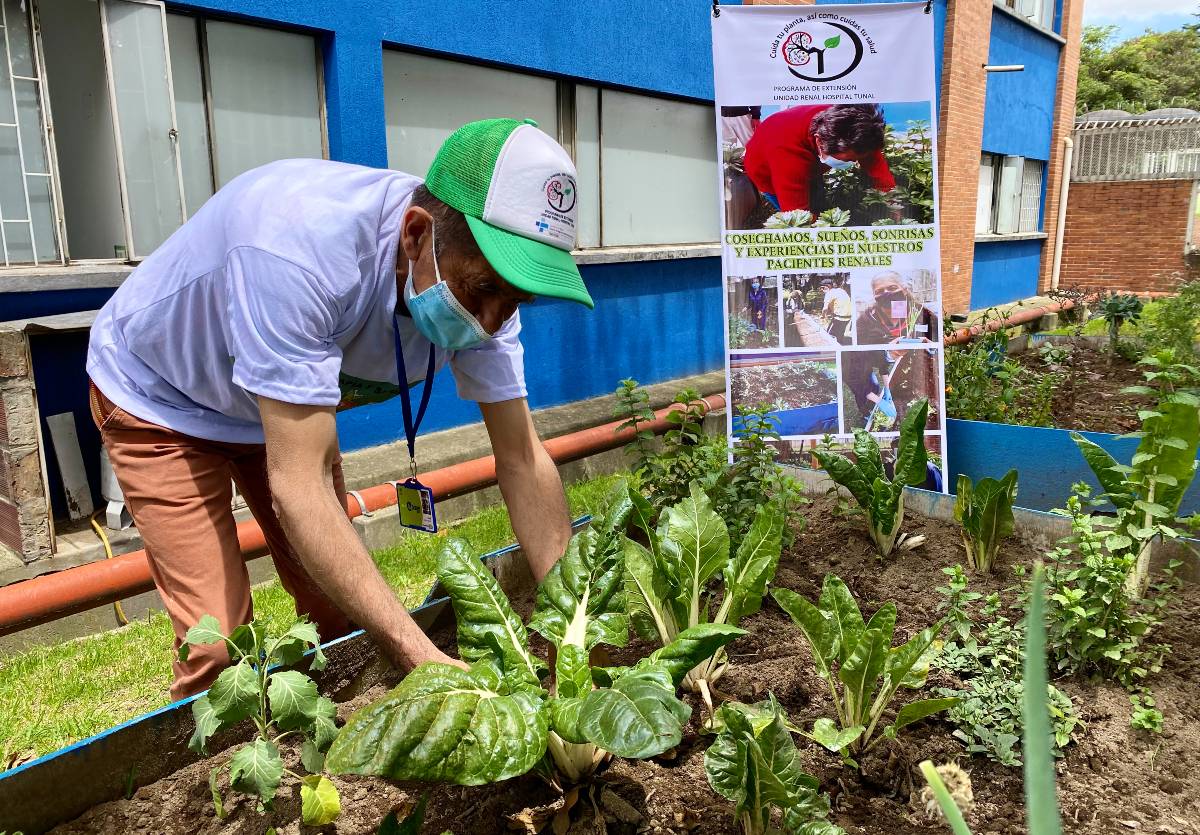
[[15, 306], [1019, 107], [1005, 271], [1047, 460]]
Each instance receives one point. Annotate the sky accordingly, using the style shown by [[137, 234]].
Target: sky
[[1135, 18]]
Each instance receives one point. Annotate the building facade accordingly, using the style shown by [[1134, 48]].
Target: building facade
[[118, 118]]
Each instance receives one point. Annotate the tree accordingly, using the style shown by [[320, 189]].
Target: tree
[[1157, 69]]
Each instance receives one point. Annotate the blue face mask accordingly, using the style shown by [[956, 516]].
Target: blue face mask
[[833, 162], [438, 315]]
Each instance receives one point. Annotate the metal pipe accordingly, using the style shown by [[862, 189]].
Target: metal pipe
[[53, 596], [1064, 188]]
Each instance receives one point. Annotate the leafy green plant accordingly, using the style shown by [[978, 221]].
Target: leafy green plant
[[668, 583], [739, 333], [1041, 801], [281, 703], [792, 219], [984, 511], [754, 763], [1056, 357], [1145, 715], [881, 498], [855, 657], [633, 404], [1117, 309], [497, 720], [1172, 322], [1147, 492], [832, 217]]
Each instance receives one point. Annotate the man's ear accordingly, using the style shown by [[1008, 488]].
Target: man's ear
[[415, 226]]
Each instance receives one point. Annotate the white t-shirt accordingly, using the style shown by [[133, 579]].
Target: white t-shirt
[[284, 285]]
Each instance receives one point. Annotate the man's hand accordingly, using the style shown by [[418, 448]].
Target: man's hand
[[301, 449], [529, 483]]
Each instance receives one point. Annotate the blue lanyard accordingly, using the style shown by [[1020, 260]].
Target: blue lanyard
[[411, 426]]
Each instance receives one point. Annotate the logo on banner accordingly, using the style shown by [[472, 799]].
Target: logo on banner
[[560, 193], [824, 50]]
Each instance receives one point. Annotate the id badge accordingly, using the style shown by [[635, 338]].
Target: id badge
[[415, 501]]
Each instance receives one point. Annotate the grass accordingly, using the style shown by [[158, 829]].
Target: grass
[[51, 696]]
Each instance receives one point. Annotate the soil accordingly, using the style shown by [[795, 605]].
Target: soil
[[791, 385], [1112, 778], [1089, 396]]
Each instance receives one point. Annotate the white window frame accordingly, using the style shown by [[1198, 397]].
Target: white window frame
[[1011, 198]]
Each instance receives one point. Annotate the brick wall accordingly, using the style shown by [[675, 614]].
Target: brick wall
[[1126, 235], [960, 126]]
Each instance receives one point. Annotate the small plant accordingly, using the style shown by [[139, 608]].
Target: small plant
[[633, 404], [1056, 357], [1145, 716], [1117, 309], [1041, 801], [668, 582], [1172, 322], [792, 219], [833, 217], [869, 670], [984, 511], [883, 499], [281, 703], [754, 763], [497, 720]]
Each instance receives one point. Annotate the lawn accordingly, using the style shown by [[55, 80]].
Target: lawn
[[51, 696]]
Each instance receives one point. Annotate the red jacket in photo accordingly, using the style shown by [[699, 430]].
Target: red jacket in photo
[[782, 158]]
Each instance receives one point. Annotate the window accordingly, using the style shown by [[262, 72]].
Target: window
[[1038, 12], [1010, 195], [655, 152], [154, 111]]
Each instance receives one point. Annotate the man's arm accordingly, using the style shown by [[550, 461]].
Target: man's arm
[[529, 483], [301, 451]]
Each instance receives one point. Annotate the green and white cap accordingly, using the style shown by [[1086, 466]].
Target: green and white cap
[[516, 187]]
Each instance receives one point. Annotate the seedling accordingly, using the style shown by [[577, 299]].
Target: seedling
[[668, 582], [985, 512], [281, 703], [497, 720], [883, 499], [863, 670], [754, 763], [1145, 716]]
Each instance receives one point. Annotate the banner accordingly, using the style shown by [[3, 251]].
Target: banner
[[830, 250]]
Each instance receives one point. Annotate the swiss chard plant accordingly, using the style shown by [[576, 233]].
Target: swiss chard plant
[[672, 583], [282, 703], [754, 763], [881, 498], [985, 512], [864, 672], [500, 719], [1148, 490]]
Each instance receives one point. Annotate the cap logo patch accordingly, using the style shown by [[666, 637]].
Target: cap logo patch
[[560, 192]]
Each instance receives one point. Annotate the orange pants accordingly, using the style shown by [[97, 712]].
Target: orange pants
[[179, 492]]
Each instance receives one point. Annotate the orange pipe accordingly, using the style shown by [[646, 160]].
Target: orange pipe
[[53, 596], [1020, 318]]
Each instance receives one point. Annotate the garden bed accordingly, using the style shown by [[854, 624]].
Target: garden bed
[[1112, 779]]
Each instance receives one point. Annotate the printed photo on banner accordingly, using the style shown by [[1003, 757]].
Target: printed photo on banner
[[797, 391], [896, 307], [753, 311], [799, 453], [817, 310], [884, 384], [827, 165]]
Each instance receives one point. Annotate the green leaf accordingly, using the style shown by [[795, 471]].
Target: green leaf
[[753, 566], [581, 601], [1102, 465], [637, 717], [215, 790], [884, 620], [319, 801], [647, 591], [311, 757], [206, 631], [693, 646], [1041, 800], [293, 699], [207, 723], [256, 769], [248, 638], [911, 456], [573, 676], [837, 602], [918, 710], [703, 545], [818, 627], [860, 673], [444, 723], [235, 693], [868, 456], [564, 716], [843, 471], [482, 610], [908, 664], [323, 729], [826, 732], [290, 647], [830, 43]]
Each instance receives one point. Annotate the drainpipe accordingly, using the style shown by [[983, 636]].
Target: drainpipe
[[53, 596], [1064, 188], [1021, 317]]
